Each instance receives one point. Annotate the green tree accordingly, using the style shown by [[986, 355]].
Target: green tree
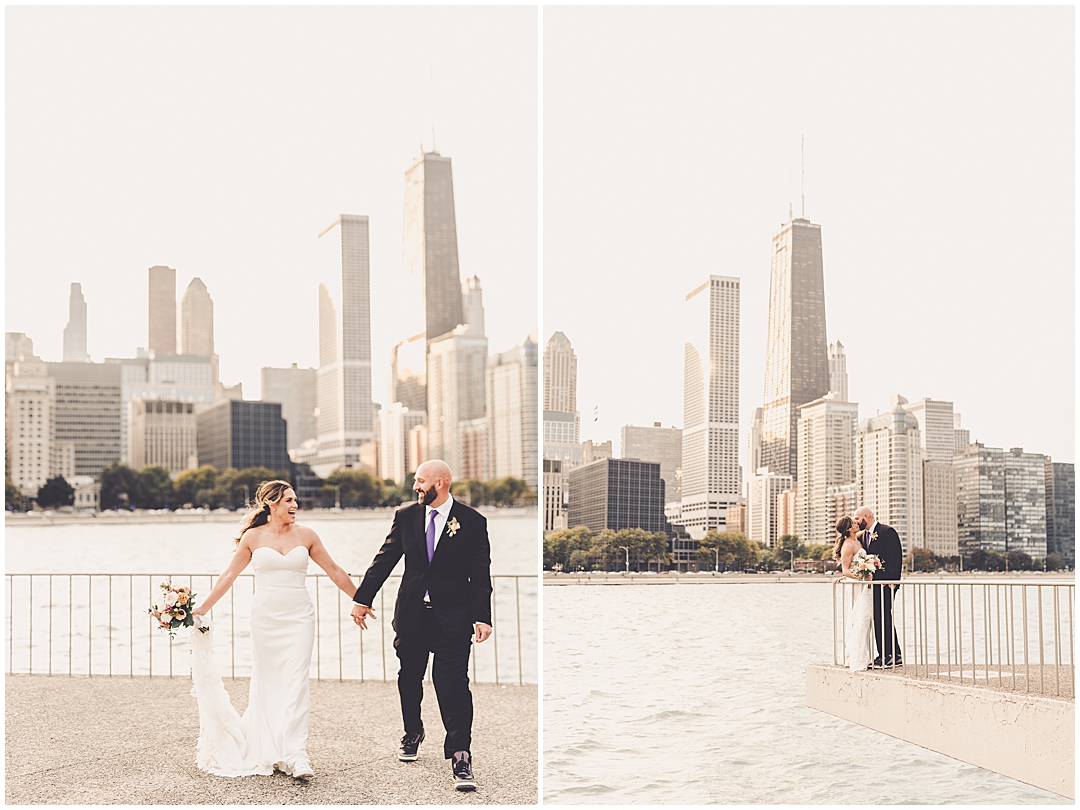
[[922, 559], [470, 491], [120, 487], [1019, 561], [358, 488], [560, 545], [791, 549], [729, 549], [56, 492], [190, 482], [12, 495], [1054, 561], [158, 489]]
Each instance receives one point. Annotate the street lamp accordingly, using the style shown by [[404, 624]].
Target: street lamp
[[627, 550], [791, 551], [337, 497], [717, 552]]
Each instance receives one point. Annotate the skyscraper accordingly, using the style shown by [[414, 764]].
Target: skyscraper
[[1025, 502], [796, 353], [838, 370], [472, 304], [429, 241], [511, 414], [456, 379], [826, 443], [346, 418], [660, 444], [162, 339], [197, 323], [294, 388], [710, 457], [980, 499], [560, 375], [938, 436], [888, 466], [75, 331], [408, 374], [1061, 510]]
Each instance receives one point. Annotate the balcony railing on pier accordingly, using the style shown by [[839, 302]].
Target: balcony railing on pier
[[97, 624], [1015, 636]]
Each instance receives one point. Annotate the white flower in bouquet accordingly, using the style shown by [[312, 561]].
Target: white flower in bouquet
[[170, 598]]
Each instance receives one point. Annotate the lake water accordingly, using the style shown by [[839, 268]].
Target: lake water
[[696, 693], [97, 624]]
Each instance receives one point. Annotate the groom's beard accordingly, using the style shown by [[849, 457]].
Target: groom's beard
[[426, 496]]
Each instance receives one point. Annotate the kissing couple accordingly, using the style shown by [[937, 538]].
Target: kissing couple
[[872, 609], [443, 605]]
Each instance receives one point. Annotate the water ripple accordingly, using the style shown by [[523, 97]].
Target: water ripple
[[707, 704]]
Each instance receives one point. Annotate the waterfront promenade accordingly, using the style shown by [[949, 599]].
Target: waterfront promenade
[[124, 740]]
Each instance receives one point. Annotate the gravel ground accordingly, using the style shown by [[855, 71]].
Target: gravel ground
[[102, 740]]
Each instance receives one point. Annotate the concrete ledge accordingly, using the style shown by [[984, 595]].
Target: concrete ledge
[[1026, 737]]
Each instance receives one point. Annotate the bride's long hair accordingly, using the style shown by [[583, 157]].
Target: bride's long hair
[[843, 526], [258, 513]]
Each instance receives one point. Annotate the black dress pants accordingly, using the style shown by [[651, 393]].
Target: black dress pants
[[449, 674], [888, 645]]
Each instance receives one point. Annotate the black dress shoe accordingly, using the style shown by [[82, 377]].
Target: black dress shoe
[[410, 744], [876, 664], [463, 775]]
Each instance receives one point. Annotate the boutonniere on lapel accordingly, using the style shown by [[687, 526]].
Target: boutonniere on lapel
[[873, 537], [452, 526]]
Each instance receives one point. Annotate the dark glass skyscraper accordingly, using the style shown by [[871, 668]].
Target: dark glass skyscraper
[[796, 350], [429, 241]]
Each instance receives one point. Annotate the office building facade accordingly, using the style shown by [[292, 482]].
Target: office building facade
[[429, 242], [456, 381], [763, 491], [1025, 502], [888, 470], [826, 459], [238, 434], [512, 443], [161, 433], [710, 457], [162, 310], [1061, 510], [660, 444], [796, 353], [295, 388], [980, 499], [346, 419], [617, 494]]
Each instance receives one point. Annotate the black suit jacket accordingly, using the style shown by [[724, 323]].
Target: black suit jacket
[[887, 546], [458, 578]]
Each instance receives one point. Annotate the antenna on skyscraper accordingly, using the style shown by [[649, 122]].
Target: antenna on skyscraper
[[433, 149], [802, 173]]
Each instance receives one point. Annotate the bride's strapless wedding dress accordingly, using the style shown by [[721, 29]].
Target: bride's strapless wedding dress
[[858, 635], [273, 732]]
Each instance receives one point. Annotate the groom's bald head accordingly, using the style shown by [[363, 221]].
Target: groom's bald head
[[432, 482], [864, 518]]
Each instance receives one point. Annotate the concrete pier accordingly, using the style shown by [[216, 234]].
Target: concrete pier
[[123, 740], [1026, 736]]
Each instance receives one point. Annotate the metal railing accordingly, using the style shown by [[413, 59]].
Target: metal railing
[[96, 624], [1015, 636]]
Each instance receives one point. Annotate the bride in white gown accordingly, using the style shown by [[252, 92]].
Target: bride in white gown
[[272, 734], [858, 633]]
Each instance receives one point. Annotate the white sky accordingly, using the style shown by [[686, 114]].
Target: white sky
[[221, 141], [939, 162]]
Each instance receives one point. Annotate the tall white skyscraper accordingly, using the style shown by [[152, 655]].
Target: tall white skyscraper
[[511, 414], [75, 331], [162, 310], [295, 389], [346, 418], [826, 442], [938, 436], [396, 456], [456, 380], [407, 383], [763, 491], [888, 462], [710, 462], [197, 323], [838, 370], [753, 445]]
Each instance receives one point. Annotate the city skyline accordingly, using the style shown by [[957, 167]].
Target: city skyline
[[945, 195], [229, 170]]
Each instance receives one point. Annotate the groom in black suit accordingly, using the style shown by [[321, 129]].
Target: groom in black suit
[[445, 591], [883, 541]]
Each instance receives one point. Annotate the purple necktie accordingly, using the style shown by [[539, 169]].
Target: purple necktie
[[431, 536]]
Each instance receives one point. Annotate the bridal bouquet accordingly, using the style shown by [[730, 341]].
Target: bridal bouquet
[[173, 609], [863, 564]]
